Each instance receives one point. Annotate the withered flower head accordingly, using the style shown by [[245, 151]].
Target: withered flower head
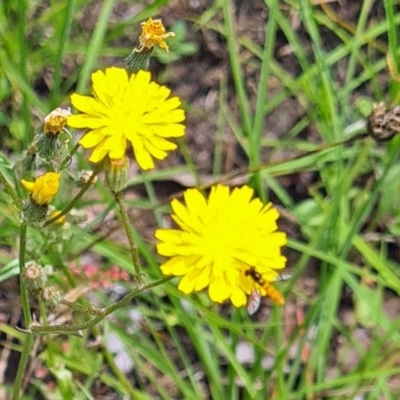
[[383, 123]]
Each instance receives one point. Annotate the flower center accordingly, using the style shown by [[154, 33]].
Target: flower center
[[221, 239]]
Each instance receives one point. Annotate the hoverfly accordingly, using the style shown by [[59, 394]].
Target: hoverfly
[[254, 299]]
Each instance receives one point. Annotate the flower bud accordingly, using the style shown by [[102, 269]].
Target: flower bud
[[29, 157], [44, 189], [51, 296], [33, 212], [34, 275], [48, 143], [48, 146], [117, 173]]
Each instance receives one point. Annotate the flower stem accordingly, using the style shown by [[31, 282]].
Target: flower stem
[[27, 347], [132, 245], [68, 158], [23, 362], [133, 293], [84, 188], [85, 310], [74, 328], [23, 289], [10, 190]]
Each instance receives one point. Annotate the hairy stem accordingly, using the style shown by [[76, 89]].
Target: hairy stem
[[74, 328], [23, 362], [84, 310], [27, 347], [132, 245], [68, 158], [23, 289]]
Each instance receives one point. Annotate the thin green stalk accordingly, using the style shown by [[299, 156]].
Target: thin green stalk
[[259, 117], [26, 309], [22, 9], [320, 149], [132, 245], [27, 347], [356, 44], [84, 310], [68, 158], [231, 39], [74, 328], [61, 46], [23, 362], [324, 94], [392, 34], [95, 44]]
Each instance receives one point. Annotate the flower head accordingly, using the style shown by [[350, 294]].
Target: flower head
[[55, 121], [51, 296], [219, 241], [128, 109], [44, 188], [153, 32], [35, 275]]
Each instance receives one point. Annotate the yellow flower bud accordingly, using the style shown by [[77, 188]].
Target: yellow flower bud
[[117, 173], [44, 188]]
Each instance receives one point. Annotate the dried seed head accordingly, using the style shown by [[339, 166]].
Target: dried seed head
[[384, 123], [34, 275], [51, 296]]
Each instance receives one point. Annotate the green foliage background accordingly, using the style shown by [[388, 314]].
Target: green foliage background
[[346, 229]]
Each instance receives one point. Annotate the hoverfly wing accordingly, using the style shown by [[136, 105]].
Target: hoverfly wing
[[254, 301]]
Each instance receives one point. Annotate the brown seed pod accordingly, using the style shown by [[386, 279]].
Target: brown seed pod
[[383, 123]]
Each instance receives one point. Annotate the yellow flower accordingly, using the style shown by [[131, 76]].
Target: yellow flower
[[221, 242], [130, 109], [44, 189], [55, 121], [153, 32]]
